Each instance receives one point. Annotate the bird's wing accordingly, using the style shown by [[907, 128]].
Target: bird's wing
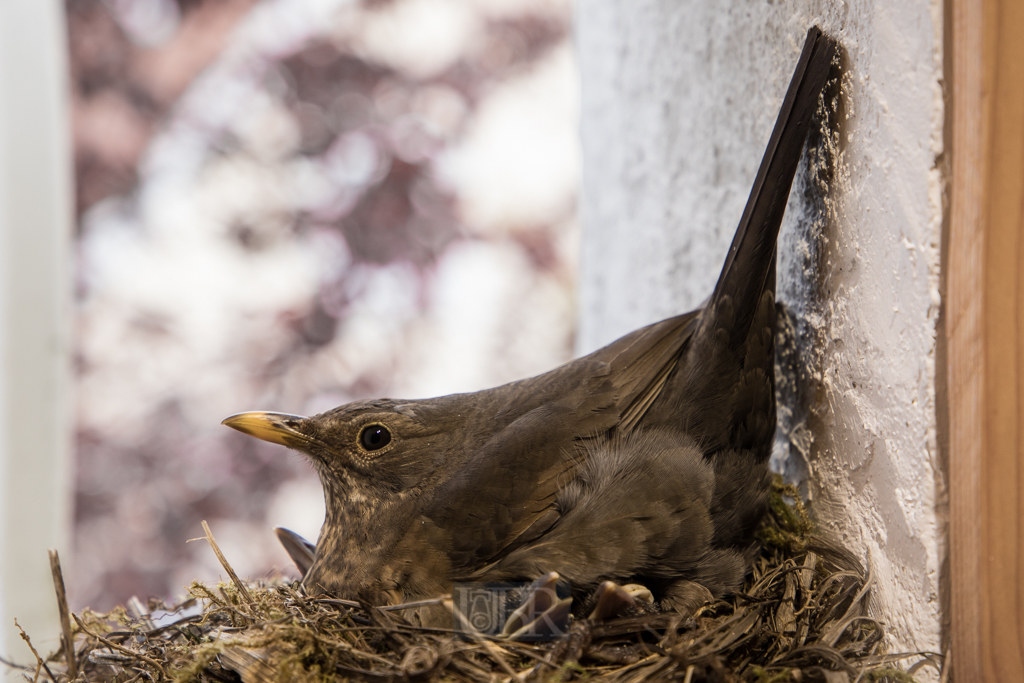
[[641, 363], [641, 504], [504, 494]]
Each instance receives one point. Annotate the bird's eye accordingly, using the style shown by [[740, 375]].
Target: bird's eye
[[374, 437]]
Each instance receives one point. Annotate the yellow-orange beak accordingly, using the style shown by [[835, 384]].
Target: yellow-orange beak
[[276, 428]]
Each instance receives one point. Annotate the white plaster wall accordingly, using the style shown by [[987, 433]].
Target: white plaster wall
[[35, 310], [678, 102]]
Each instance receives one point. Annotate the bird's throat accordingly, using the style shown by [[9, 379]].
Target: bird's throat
[[351, 544]]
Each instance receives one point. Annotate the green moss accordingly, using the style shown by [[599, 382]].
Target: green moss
[[766, 676], [787, 526]]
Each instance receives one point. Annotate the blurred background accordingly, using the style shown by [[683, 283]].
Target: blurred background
[[287, 205]]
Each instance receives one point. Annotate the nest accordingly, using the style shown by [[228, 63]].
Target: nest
[[801, 616]]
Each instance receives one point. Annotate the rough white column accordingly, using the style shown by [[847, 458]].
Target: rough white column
[[678, 102], [35, 314]]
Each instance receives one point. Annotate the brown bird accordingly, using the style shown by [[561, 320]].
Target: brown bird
[[643, 461]]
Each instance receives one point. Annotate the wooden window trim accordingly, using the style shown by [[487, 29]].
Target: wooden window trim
[[985, 336]]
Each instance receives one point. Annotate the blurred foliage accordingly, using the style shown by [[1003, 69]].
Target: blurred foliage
[[290, 205]]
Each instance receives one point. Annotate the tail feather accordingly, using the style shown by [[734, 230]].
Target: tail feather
[[723, 388], [750, 265]]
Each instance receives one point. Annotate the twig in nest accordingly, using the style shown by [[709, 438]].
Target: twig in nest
[[39, 660], [440, 600], [120, 648], [496, 653], [385, 608], [65, 621], [242, 590]]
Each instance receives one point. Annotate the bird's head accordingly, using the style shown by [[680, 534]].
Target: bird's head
[[359, 448]]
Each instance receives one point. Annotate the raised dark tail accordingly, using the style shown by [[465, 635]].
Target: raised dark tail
[[723, 390], [749, 268]]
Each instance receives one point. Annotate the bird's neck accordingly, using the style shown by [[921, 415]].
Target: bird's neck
[[355, 540]]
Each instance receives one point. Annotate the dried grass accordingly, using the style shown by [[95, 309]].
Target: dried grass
[[801, 617]]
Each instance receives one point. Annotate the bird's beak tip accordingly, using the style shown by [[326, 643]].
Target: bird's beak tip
[[266, 426]]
